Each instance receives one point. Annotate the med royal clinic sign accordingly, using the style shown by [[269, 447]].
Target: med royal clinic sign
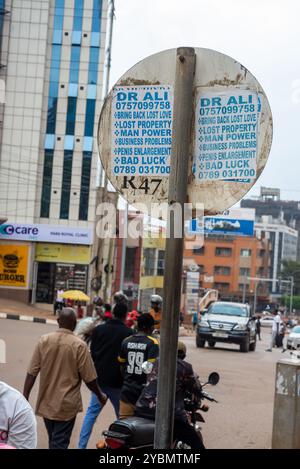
[[46, 233]]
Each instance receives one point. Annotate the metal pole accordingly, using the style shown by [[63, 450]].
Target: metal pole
[[103, 197], [183, 108], [292, 293], [255, 298], [244, 289], [110, 27], [124, 244]]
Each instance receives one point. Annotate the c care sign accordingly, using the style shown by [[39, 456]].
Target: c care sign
[[142, 130], [231, 133], [226, 135]]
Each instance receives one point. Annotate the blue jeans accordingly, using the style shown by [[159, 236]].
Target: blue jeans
[[94, 410]]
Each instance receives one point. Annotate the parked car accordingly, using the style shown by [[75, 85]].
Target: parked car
[[293, 341], [227, 322], [266, 321]]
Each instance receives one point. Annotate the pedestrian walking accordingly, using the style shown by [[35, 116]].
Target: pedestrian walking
[[105, 348], [181, 318], [258, 327], [195, 321], [275, 330], [17, 420], [136, 350], [63, 361], [282, 330], [59, 301]]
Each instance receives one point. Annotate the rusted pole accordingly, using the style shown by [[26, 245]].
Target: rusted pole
[[181, 137]]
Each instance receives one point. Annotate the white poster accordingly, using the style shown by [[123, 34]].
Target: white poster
[[226, 132], [141, 130]]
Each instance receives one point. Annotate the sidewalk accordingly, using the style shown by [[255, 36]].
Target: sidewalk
[[18, 308]]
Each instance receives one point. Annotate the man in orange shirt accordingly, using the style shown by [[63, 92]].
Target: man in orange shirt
[[156, 310]]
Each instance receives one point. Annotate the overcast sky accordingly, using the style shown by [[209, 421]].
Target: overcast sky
[[264, 35]]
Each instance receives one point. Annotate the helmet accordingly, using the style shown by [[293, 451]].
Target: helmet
[[98, 301], [156, 299], [120, 297]]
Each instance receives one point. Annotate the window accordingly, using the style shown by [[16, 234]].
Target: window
[[71, 116], [223, 252], [261, 252], [93, 65], [222, 270], [242, 287], [244, 272], [130, 264], [161, 263], [149, 258], [85, 185], [89, 117], [96, 20], [229, 309], [47, 180], [74, 64], [66, 185], [78, 14], [198, 250], [260, 272], [245, 252], [59, 14], [221, 286]]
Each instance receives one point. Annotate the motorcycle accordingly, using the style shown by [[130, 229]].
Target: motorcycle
[[136, 433]]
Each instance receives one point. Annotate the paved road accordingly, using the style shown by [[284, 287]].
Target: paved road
[[242, 419]]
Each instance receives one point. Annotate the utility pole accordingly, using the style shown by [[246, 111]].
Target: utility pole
[[244, 288], [292, 293], [101, 246], [124, 245], [180, 153], [255, 298]]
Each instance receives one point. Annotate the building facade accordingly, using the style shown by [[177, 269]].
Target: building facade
[[284, 244], [52, 57], [270, 204], [224, 264]]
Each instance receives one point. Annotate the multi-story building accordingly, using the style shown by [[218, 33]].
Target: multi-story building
[[270, 204], [52, 60], [225, 264], [283, 240]]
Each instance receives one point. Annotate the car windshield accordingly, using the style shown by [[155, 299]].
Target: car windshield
[[296, 329], [228, 310]]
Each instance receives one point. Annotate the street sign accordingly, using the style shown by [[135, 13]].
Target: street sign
[[233, 222], [230, 138], [192, 292]]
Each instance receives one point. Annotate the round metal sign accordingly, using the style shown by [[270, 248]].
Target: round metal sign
[[231, 131]]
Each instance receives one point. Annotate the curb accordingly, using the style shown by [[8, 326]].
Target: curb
[[20, 317]]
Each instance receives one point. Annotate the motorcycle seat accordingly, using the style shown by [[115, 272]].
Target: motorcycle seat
[[138, 431]]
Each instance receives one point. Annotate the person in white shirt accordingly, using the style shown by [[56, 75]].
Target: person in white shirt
[[275, 329], [17, 419], [59, 302]]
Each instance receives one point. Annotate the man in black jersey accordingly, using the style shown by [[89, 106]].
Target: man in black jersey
[[136, 350]]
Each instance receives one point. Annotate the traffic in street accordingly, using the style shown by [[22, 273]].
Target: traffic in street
[[242, 418]]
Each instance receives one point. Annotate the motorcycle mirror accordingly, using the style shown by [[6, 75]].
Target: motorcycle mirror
[[213, 378], [147, 367]]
